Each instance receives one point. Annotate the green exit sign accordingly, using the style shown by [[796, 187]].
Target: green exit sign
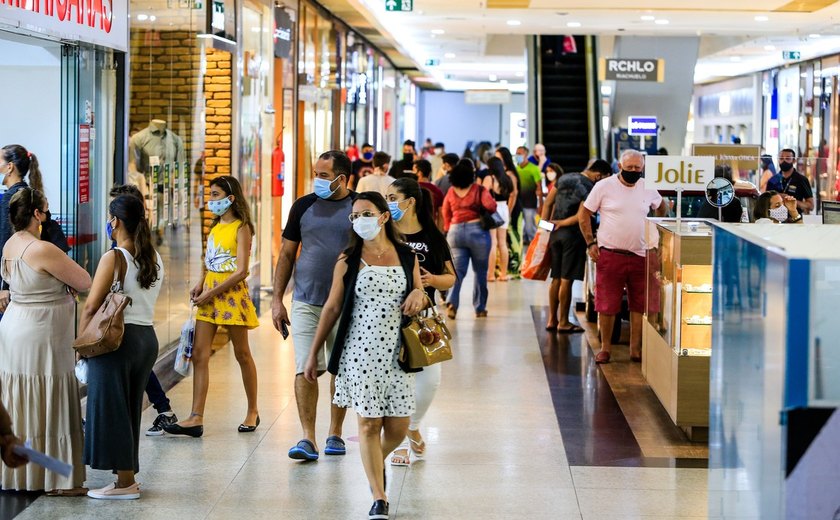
[[432, 63], [791, 55], [399, 5]]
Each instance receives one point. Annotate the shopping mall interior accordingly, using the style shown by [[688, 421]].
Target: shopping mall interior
[[727, 412]]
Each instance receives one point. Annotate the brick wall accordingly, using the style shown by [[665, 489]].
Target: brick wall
[[219, 120]]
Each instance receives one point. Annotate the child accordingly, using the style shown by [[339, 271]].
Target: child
[[222, 299]]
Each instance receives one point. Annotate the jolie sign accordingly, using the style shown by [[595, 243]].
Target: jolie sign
[[674, 172], [101, 22], [624, 69]]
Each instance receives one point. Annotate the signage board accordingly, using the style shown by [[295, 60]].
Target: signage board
[[84, 164], [432, 62], [221, 19], [282, 37], [791, 55], [675, 172], [487, 97], [642, 125], [100, 22], [399, 5], [742, 159], [627, 69]]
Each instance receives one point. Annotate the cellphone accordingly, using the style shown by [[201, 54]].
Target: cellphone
[[546, 225], [284, 330]]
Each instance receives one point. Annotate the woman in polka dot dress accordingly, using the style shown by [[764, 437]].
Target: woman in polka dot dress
[[376, 281]]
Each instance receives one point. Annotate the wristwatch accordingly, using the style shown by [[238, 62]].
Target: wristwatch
[[798, 218]]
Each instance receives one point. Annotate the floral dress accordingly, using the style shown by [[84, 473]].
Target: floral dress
[[234, 306]]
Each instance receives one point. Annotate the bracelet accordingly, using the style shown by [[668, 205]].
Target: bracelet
[[798, 218], [593, 243]]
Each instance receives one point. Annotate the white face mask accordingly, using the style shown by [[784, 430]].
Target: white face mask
[[367, 227], [550, 175], [779, 214]]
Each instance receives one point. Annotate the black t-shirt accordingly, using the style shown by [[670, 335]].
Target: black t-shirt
[[731, 212], [796, 185], [433, 261]]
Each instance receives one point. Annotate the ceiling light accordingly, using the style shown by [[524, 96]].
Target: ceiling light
[[438, 31], [152, 18], [606, 90], [514, 23], [573, 24], [142, 17], [661, 21], [493, 77], [769, 47], [761, 18], [648, 17], [449, 55], [734, 58], [814, 35], [504, 82], [520, 74]]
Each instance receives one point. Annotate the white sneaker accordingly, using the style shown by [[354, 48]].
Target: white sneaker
[[112, 492]]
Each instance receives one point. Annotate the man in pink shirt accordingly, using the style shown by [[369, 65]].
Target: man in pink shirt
[[620, 250]]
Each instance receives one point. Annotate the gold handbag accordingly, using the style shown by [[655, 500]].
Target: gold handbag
[[426, 339]]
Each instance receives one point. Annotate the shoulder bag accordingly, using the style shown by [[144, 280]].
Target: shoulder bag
[[489, 219], [104, 332], [426, 339]]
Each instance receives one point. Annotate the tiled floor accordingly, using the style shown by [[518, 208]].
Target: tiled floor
[[495, 448]]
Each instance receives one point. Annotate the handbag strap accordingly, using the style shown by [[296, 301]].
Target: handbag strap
[[120, 268]]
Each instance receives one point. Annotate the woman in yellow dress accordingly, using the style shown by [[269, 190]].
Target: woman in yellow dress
[[222, 299]]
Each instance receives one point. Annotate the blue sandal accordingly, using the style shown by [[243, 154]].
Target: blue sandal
[[335, 446], [303, 450]]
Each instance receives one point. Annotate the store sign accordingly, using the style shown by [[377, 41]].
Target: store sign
[[399, 5], [101, 22], [84, 164], [282, 33], [221, 19], [791, 55], [674, 172], [623, 69], [642, 125], [487, 97]]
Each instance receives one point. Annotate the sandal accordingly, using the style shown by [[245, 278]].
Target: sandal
[[75, 492], [418, 448], [401, 459]]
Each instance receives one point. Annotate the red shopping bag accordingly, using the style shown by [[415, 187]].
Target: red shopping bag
[[537, 262]]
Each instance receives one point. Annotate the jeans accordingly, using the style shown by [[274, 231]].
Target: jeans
[[156, 394], [468, 241], [529, 229]]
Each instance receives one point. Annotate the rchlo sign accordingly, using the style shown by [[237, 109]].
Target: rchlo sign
[[101, 22], [627, 69]]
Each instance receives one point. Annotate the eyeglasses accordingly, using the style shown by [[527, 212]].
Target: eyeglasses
[[366, 213]]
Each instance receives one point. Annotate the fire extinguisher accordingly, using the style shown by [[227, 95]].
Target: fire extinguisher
[[278, 169]]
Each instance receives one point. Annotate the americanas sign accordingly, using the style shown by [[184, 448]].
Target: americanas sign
[[625, 69], [675, 172], [101, 22]]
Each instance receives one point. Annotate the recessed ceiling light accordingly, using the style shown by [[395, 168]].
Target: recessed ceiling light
[[493, 77], [761, 18], [648, 17], [142, 17], [769, 47], [438, 31], [573, 24], [152, 18], [661, 21], [734, 58], [814, 35], [514, 23], [449, 55]]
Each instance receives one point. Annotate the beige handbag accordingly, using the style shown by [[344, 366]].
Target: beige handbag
[[426, 339], [104, 332]]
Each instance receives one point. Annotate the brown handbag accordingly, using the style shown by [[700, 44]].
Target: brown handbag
[[426, 340], [104, 332]]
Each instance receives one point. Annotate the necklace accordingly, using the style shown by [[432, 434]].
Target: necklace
[[379, 255]]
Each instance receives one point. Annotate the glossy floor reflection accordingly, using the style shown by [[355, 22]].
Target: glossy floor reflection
[[495, 448]]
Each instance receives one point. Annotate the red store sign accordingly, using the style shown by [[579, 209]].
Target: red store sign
[[101, 22], [84, 164]]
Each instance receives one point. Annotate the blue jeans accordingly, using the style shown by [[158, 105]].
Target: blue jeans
[[469, 242], [156, 394], [529, 228]]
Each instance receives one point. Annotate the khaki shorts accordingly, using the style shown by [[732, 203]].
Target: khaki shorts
[[304, 322]]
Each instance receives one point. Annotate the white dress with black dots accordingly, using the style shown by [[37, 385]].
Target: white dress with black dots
[[369, 378]]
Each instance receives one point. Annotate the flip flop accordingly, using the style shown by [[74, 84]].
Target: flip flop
[[421, 445], [574, 329], [303, 450], [335, 446], [602, 357], [401, 460], [551, 328]]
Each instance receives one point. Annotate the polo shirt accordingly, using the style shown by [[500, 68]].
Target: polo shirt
[[796, 185]]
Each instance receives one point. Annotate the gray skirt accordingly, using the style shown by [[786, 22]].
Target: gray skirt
[[116, 383]]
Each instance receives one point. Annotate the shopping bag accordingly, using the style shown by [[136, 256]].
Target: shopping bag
[[183, 356], [537, 261]]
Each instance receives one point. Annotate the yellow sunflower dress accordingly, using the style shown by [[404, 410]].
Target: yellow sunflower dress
[[234, 306]]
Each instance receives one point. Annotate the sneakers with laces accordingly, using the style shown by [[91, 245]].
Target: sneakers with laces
[[112, 492], [164, 419]]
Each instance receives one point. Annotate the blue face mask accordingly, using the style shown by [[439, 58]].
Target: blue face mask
[[219, 207], [323, 187], [109, 230], [396, 212], [367, 156]]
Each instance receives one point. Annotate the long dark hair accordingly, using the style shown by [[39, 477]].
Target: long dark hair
[[354, 245], [231, 186], [507, 159], [438, 248], [129, 209], [25, 162], [762, 205], [23, 205], [497, 168], [463, 174]]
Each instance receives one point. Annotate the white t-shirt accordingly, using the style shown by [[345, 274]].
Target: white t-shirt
[[372, 182], [623, 211]]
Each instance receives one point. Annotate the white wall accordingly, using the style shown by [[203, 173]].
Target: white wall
[[31, 108]]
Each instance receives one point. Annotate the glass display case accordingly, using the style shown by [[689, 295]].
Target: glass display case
[[677, 335]]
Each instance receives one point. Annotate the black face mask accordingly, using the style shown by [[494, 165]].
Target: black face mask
[[408, 157], [631, 177], [785, 166]]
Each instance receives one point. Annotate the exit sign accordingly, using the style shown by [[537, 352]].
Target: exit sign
[[791, 55], [432, 62], [399, 5]]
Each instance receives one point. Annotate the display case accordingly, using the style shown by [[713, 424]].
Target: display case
[[677, 335]]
